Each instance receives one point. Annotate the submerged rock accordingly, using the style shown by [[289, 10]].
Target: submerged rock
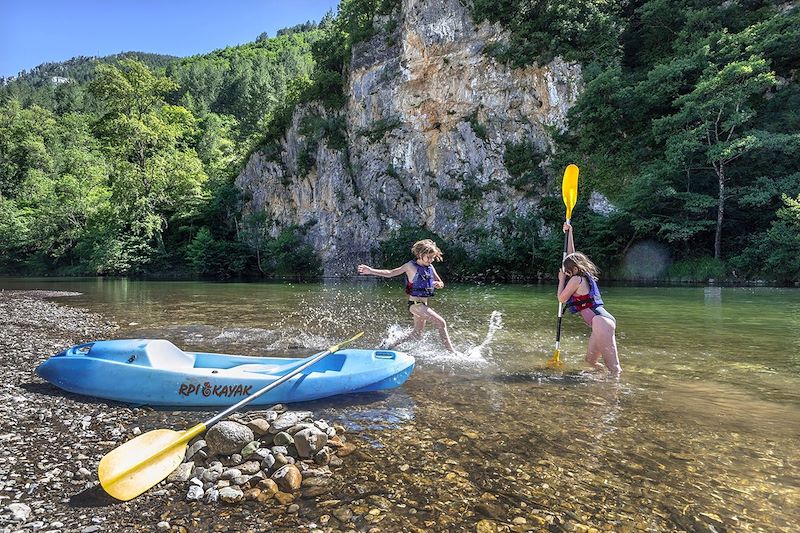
[[288, 478]]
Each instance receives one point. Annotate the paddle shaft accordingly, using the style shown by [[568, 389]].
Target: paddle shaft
[[561, 305], [282, 379]]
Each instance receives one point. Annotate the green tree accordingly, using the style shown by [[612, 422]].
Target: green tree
[[24, 138], [710, 129], [156, 175], [130, 88], [702, 92], [784, 241], [292, 256], [581, 30]]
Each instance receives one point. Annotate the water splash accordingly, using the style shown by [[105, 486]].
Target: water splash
[[495, 325], [394, 334], [429, 348]]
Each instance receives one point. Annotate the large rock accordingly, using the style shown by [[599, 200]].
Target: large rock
[[288, 478], [289, 419], [228, 437], [309, 441], [426, 123]]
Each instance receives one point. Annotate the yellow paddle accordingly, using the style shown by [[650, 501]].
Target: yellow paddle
[[569, 191], [130, 469]]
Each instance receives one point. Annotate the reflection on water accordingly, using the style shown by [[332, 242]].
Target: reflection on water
[[700, 433]]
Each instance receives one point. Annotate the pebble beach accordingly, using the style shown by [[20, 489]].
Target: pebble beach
[[244, 474]]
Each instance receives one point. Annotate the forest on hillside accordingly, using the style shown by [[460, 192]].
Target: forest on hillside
[[689, 124]]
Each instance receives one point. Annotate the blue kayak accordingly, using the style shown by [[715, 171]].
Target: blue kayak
[[156, 372]]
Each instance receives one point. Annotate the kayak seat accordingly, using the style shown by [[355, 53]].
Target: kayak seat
[[256, 368], [163, 354]]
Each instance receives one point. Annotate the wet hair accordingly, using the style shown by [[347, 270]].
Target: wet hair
[[426, 247], [582, 263]]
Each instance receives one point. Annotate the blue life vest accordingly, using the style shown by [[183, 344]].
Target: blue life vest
[[590, 300], [422, 284]]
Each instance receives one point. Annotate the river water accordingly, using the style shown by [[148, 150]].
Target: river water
[[701, 432]]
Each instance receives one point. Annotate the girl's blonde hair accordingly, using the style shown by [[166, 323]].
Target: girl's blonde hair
[[582, 263], [425, 247]]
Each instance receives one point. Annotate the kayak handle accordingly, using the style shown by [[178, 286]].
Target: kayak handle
[[81, 349]]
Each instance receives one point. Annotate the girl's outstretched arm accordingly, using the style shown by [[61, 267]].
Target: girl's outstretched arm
[[365, 270], [570, 241]]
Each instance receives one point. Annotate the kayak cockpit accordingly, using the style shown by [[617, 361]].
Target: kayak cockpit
[[155, 353], [161, 354]]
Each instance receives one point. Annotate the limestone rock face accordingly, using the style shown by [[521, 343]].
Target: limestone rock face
[[426, 125]]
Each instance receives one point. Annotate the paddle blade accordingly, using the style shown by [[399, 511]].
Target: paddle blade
[[132, 468], [555, 361], [339, 346], [569, 188]]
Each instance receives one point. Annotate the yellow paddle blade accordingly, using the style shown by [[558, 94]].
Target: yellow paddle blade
[[132, 468], [569, 188], [337, 347], [555, 361]]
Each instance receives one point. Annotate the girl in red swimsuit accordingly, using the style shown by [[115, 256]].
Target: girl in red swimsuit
[[582, 296]]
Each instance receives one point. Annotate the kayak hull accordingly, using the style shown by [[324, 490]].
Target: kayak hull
[[156, 372]]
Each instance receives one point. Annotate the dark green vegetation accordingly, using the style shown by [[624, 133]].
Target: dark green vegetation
[[688, 123]]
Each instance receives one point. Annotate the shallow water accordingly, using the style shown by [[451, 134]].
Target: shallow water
[[700, 432]]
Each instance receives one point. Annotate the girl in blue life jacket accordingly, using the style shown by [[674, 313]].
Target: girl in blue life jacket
[[422, 281], [582, 296]]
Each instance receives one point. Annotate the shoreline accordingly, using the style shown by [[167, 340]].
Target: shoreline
[[610, 282], [53, 440]]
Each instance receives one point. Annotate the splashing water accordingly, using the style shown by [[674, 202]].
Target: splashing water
[[495, 324], [394, 334], [429, 348]]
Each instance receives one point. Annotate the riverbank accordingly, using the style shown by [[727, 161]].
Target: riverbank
[[52, 442]]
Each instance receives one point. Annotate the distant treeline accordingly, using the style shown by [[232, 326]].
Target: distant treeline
[[689, 123]]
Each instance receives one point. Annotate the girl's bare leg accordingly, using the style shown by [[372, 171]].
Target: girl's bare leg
[[440, 323], [416, 332], [610, 356], [603, 342], [593, 353]]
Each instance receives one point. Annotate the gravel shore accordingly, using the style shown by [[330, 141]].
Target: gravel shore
[[52, 440]]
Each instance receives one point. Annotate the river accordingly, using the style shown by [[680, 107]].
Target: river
[[702, 430]]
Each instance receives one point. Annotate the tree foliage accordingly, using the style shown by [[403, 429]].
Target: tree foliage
[[690, 130], [688, 122]]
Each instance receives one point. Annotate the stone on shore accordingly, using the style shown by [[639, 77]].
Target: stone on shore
[[228, 437]]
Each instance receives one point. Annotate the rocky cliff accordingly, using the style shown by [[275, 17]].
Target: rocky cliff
[[426, 130]]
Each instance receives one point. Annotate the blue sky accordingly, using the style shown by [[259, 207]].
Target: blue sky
[[40, 31]]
